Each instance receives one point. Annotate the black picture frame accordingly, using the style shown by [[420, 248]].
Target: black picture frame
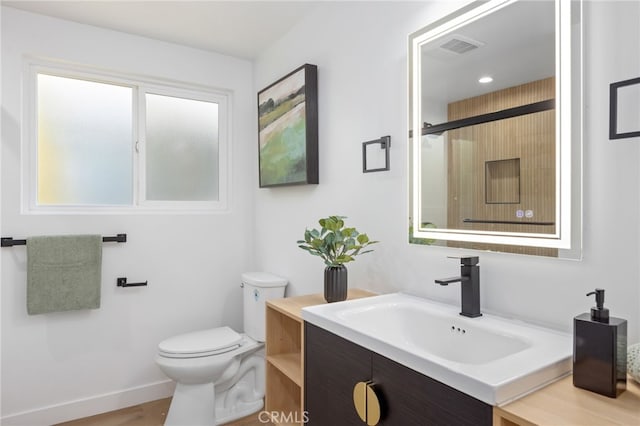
[[613, 110], [288, 129]]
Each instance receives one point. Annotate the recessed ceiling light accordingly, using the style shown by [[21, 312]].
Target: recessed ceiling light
[[486, 79]]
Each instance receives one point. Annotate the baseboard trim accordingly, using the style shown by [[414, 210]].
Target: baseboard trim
[[91, 406]]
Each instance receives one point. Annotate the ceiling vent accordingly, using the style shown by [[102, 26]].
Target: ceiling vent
[[458, 44]]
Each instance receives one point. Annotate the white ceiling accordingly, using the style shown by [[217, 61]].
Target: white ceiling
[[238, 28], [244, 29]]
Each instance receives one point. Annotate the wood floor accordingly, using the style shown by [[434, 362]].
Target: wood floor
[[149, 414]]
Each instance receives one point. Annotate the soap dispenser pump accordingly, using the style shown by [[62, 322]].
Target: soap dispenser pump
[[600, 350], [599, 312]]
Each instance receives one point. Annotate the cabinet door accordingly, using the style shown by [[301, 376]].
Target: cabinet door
[[410, 398], [333, 366]]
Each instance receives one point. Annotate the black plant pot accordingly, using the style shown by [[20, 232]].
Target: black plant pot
[[335, 283]]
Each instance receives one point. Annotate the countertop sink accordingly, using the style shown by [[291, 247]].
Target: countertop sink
[[494, 359]]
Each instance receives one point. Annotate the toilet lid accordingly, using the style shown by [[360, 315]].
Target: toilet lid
[[201, 343]]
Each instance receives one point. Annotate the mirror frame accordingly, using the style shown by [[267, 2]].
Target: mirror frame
[[562, 238]]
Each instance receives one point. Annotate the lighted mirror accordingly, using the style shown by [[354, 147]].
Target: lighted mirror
[[495, 139]]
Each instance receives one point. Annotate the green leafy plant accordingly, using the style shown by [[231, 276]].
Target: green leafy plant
[[335, 243]]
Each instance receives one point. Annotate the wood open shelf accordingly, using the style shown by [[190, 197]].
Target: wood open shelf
[[285, 357], [283, 396], [288, 364]]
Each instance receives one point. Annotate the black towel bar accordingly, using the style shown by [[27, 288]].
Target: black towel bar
[[122, 282], [10, 242]]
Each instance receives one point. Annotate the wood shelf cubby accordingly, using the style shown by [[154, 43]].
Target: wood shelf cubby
[[285, 356]]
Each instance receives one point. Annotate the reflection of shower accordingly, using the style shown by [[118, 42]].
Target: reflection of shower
[[438, 129], [433, 177], [425, 126]]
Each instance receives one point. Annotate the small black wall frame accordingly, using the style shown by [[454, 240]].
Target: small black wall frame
[[613, 110]]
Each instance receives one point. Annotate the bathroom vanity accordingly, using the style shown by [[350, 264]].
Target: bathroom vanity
[[399, 395], [410, 398], [319, 376]]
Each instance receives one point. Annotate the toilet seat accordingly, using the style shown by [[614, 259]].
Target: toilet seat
[[202, 343]]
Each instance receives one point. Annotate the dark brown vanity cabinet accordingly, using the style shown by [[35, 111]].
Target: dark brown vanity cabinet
[[333, 367]]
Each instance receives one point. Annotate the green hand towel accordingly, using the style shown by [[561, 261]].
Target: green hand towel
[[63, 273]]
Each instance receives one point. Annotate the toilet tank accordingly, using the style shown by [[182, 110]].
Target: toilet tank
[[258, 287]]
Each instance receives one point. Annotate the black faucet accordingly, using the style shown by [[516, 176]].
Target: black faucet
[[470, 284]]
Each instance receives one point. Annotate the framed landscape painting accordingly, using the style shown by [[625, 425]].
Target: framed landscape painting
[[288, 129]]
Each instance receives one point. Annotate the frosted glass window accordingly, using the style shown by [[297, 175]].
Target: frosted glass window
[[84, 142], [181, 149], [112, 142]]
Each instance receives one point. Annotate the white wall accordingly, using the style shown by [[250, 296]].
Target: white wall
[[66, 365], [360, 50]]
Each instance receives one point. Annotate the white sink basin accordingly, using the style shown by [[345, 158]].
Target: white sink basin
[[490, 358]]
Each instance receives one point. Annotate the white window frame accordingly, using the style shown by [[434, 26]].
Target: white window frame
[[140, 87]]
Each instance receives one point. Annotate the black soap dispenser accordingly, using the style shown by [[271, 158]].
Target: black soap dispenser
[[600, 350]]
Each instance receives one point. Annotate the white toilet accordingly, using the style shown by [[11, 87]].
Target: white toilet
[[220, 373]]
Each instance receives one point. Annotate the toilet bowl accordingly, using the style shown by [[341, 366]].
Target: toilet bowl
[[219, 373], [204, 376]]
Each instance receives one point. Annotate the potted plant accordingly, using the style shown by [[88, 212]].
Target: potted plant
[[336, 244]]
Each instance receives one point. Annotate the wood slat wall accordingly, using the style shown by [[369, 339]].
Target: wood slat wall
[[529, 138]]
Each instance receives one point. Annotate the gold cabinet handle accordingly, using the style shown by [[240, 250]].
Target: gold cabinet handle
[[360, 400], [366, 403]]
